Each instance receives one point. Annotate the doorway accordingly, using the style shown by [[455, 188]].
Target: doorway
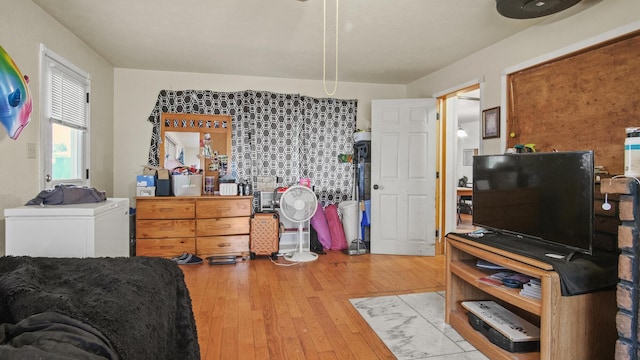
[[468, 145], [460, 139]]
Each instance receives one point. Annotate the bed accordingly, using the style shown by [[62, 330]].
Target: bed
[[95, 308]]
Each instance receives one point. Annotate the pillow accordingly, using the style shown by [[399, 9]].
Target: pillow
[[338, 240], [321, 226], [314, 244]]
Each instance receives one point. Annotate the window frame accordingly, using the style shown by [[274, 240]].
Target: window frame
[[47, 57]]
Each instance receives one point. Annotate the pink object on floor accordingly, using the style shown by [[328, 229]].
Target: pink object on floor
[[321, 226], [338, 239]]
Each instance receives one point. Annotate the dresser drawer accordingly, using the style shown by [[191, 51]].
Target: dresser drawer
[[165, 209], [222, 207], [223, 226], [222, 245], [150, 229], [170, 247]]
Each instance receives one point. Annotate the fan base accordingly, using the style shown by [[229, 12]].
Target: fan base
[[301, 256]]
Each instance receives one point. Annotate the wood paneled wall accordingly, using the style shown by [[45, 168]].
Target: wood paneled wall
[[582, 101]]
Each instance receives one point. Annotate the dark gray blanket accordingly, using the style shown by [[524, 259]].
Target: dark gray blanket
[[141, 305], [53, 336], [68, 194]]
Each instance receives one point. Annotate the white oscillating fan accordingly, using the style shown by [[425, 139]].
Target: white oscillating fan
[[298, 204]]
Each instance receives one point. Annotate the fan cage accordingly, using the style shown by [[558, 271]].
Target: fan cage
[[298, 203]]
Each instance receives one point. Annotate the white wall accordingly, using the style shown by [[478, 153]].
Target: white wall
[[584, 21], [136, 92], [23, 26]]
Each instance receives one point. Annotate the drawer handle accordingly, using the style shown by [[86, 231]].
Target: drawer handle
[[165, 209], [224, 244]]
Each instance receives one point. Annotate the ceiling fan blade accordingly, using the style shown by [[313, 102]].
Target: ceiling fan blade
[[529, 9]]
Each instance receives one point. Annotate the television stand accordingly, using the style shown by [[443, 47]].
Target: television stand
[[571, 327]]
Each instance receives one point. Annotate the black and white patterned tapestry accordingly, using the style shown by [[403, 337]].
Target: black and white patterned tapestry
[[328, 131], [283, 135]]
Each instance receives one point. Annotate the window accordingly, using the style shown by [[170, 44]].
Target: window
[[65, 121], [171, 148]]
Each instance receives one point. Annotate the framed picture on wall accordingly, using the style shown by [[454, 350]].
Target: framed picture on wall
[[491, 123], [467, 156]]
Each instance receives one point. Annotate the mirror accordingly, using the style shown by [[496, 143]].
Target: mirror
[[181, 149], [196, 140]]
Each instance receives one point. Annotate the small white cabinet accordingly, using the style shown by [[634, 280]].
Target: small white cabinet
[[78, 230], [289, 238]]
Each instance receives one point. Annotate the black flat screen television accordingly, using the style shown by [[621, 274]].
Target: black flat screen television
[[546, 197]]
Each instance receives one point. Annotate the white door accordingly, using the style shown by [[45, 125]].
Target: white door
[[403, 176]]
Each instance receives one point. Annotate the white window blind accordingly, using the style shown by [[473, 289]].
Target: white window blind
[[68, 103], [171, 149]]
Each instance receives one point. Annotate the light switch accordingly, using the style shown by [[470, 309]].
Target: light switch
[[32, 150]]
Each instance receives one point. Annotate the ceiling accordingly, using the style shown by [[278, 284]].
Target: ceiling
[[380, 41], [468, 107]]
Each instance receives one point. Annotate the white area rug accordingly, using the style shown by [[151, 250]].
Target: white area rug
[[412, 326]]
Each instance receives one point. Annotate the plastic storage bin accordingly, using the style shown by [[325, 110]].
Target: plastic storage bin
[[350, 221], [186, 185]]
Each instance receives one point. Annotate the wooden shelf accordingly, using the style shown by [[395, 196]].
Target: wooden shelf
[[460, 322], [571, 327], [468, 272]]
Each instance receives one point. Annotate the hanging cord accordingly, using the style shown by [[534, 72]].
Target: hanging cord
[[324, 50]]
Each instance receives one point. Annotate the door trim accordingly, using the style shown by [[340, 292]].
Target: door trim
[[445, 184]]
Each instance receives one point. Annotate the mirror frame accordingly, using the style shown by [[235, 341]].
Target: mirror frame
[[220, 127]]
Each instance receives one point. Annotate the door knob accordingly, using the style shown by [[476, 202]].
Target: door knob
[[375, 187]]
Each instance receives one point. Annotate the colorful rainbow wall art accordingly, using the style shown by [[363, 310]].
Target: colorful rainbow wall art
[[15, 98]]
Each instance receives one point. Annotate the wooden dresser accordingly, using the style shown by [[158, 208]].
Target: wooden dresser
[[201, 225]]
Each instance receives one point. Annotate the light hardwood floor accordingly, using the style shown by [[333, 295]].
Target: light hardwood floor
[[465, 224], [258, 310]]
